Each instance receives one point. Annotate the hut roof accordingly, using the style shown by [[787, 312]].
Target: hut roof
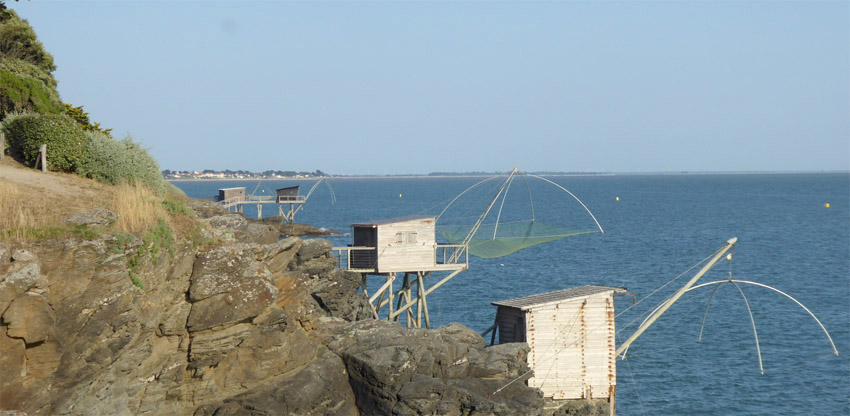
[[540, 299], [394, 220]]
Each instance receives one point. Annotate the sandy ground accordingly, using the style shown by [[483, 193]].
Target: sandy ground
[[38, 181]]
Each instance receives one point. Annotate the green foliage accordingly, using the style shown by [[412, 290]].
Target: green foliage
[[26, 82], [159, 237], [137, 281], [24, 93], [66, 142], [82, 118], [18, 41], [175, 206], [116, 162], [156, 239]]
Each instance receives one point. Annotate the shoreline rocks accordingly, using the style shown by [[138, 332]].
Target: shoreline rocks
[[252, 325]]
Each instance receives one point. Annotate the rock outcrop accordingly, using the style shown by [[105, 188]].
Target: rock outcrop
[[249, 325]]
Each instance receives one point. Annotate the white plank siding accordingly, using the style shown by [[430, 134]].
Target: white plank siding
[[414, 252], [571, 337]]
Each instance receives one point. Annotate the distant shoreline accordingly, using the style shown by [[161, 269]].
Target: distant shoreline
[[497, 174]]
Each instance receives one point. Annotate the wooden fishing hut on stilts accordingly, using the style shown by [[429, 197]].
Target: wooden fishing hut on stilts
[[236, 198], [405, 247], [571, 336]]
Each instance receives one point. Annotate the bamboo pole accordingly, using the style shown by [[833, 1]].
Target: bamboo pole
[[621, 351]]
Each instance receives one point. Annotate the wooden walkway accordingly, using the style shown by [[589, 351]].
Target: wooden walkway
[[296, 203]]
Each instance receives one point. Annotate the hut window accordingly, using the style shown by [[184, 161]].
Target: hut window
[[405, 237]]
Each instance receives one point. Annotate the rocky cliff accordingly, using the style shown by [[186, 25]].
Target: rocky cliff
[[233, 323]]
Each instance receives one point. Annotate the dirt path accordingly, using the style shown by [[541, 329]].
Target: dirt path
[[36, 180]]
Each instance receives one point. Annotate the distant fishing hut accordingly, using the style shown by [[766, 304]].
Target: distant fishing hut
[[231, 194], [407, 246], [572, 340], [236, 198]]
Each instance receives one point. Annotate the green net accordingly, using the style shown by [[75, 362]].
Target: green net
[[491, 241]]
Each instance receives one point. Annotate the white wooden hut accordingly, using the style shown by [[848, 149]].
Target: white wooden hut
[[572, 340], [406, 244]]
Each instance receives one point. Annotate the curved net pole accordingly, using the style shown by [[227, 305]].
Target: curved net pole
[[313, 188], [576, 198], [834, 349], [502, 205], [530, 199], [704, 316], [461, 194], [753, 322], [331, 190]]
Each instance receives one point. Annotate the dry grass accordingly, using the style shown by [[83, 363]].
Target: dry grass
[[15, 217], [138, 208], [30, 211]]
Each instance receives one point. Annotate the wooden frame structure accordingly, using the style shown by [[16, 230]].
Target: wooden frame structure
[[236, 198], [407, 248]]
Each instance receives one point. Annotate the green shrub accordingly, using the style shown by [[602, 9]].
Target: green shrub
[[116, 162], [18, 40], [82, 118], [175, 206], [22, 93], [66, 142]]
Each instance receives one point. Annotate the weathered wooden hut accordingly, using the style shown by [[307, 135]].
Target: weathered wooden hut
[[402, 246], [226, 194], [571, 336], [289, 194], [406, 244]]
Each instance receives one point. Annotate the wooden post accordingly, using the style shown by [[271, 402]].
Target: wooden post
[[612, 398], [43, 157], [2, 145]]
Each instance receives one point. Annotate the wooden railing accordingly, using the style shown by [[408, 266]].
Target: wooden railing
[[366, 258], [356, 258], [451, 254]]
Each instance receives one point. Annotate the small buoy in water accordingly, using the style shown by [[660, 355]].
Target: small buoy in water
[[399, 195], [826, 205], [729, 257], [618, 198], [502, 264]]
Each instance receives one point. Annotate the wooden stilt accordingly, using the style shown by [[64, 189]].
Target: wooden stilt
[[424, 299], [390, 278]]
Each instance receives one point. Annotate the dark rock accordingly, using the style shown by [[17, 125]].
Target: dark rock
[[294, 230], [395, 370], [576, 408], [503, 360], [436, 396], [233, 223], [258, 233], [338, 294], [314, 248], [320, 388], [96, 217], [205, 208]]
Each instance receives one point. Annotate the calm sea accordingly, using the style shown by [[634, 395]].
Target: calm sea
[[660, 227]]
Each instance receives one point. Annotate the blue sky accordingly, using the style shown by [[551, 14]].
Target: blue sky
[[416, 87]]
